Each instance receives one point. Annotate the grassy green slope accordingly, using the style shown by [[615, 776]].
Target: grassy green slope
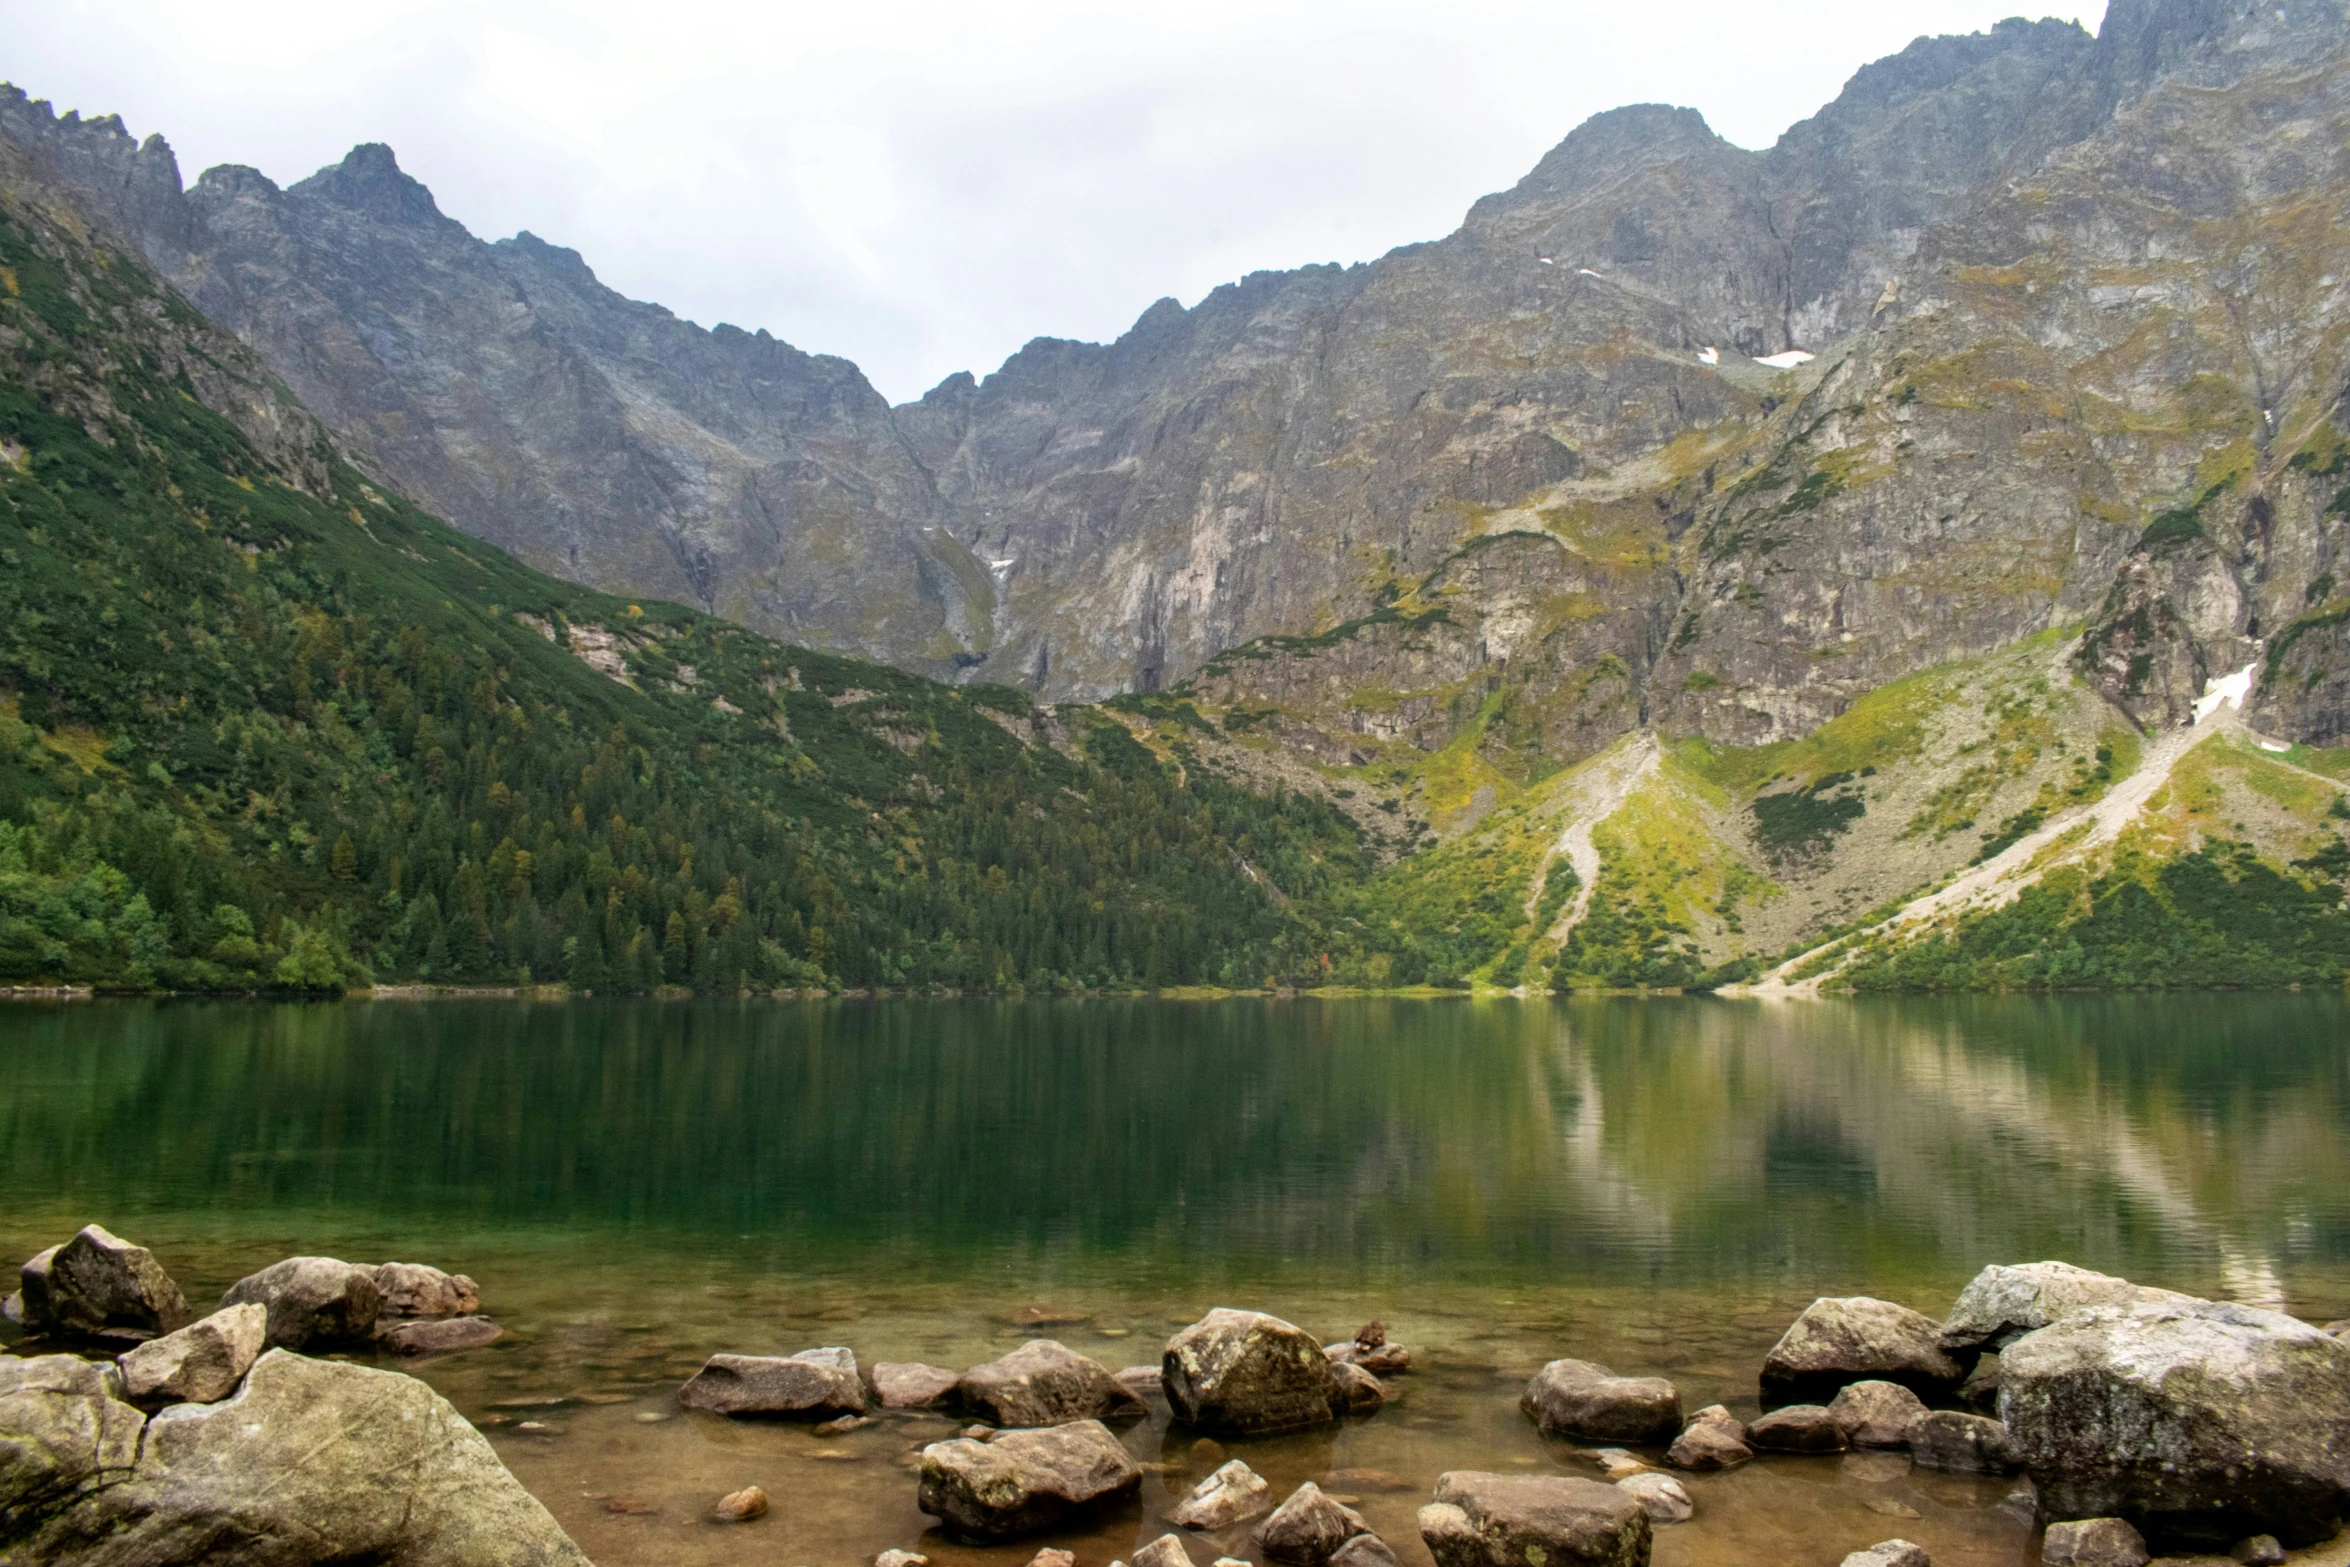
[[262, 725]]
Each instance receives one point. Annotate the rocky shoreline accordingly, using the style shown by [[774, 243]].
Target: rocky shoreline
[[2132, 1420]]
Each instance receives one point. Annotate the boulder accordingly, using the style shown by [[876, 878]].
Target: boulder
[[2199, 1423], [1231, 1494], [1713, 1439], [815, 1384], [909, 1384], [1309, 1527], [1165, 1551], [98, 1285], [314, 1302], [2261, 1550], [1052, 1557], [1876, 1414], [311, 1461], [1364, 1550], [1490, 1520], [63, 1428], [202, 1363], [1798, 1428], [1580, 1399], [1381, 1359], [1961, 1443], [1665, 1498], [2004, 1302], [1246, 1372], [438, 1335], [1144, 1382], [2093, 1542], [1359, 1392], [1022, 1481], [411, 1289], [1043, 1383], [1856, 1339], [1890, 1553]]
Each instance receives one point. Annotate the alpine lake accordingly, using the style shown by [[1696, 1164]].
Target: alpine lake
[[1659, 1185]]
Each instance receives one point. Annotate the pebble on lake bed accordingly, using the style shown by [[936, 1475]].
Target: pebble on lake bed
[[741, 1506], [1890, 1553], [897, 1558], [1052, 1556]]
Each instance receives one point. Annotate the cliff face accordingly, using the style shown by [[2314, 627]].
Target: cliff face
[[1524, 487]]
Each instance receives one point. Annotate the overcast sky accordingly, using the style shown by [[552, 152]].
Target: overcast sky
[[922, 187]]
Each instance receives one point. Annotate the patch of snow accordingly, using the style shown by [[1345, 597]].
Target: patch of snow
[[2275, 745], [1788, 360], [1547, 261], [998, 568], [1586, 272], [2228, 689], [1709, 355]]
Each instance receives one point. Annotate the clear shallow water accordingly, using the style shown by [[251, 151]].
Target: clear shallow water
[[1659, 1185]]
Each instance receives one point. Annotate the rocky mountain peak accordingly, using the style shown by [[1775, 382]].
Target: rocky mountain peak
[[370, 181]]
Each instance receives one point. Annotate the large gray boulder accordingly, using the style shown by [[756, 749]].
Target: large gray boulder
[[413, 1289], [98, 1285], [815, 1384], [1043, 1383], [1580, 1399], [1492, 1520], [311, 1461], [1246, 1372], [909, 1384], [2198, 1423], [1020, 1482], [200, 1364], [2005, 1301], [1966, 1444], [313, 1302], [2093, 1542], [1876, 1414], [1856, 1339], [62, 1430]]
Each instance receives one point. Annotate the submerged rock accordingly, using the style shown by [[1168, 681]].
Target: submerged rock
[[1370, 1349], [313, 1302], [2093, 1542], [815, 1384], [2199, 1423], [412, 1289], [98, 1285], [202, 1363], [1713, 1439], [1876, 1414], [438, 1335], [1890, 1553], [1231, 1494], [909, 1384], [1665, 1498], [1247, 1372], [1043, 1383], [311, 1461], [1965, 1444], [1144, 1382], [1359, 1392], [1309, 1527], [1798, 1428], [1578, 1398], [1491, 1520], [1023, 1481], [744, 1505], [1837, 1341], [2006, 1301]]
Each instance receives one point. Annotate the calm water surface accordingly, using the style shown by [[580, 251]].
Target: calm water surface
[[1658, 1185]]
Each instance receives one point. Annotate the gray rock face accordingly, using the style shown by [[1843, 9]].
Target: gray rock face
[[1019, 1482], [1837, 1341], [1490, 1520], [1246, 1372], [310, 1461], [815, 1384], [98, 1285], [1309, 1527], [438, 1335], [2093, 1542], [1797, 1428], [313, 1302], [1876, 1414], [62, 1430], [1971, 1444], [1580, 1399], [1043, 1383], [1232, 1493], [412, 1289], [2198, 1423], [202, 1363], [2002, 1303], [909, 1384], [1713, 1439]]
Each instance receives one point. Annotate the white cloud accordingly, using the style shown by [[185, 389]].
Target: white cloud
[[923, 186]]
